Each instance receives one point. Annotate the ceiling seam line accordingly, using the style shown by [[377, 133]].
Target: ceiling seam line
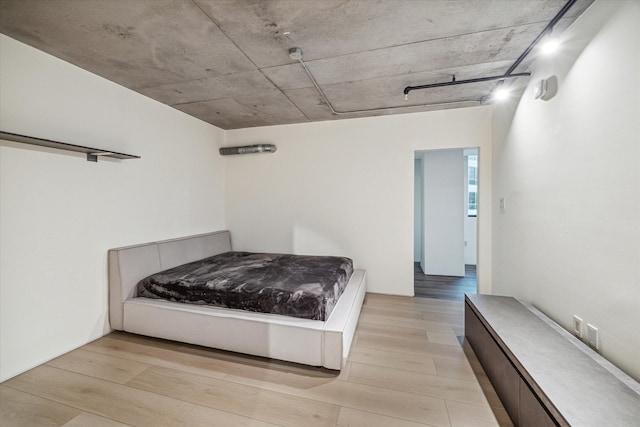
[[411, 43], [217, 24], [214, 22], [247, 56], [199, 79], [284, 94], [276, 89], [250, 60]]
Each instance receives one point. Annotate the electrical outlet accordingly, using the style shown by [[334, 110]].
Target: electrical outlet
[[577, 327], [592, 337], [503, 205]]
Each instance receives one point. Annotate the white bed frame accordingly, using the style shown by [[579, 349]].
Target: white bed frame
[[310, 342]]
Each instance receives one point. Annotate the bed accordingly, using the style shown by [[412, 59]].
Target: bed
[[302, 340]]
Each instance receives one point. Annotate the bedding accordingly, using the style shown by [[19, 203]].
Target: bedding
[[292, 285]]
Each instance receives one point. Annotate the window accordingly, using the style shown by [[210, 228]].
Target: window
[[472, 165], [473, 175], [473, 206]]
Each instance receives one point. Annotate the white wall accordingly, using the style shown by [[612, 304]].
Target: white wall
[[443, 242], [470, 248], [59, 214], [417, 210], [569, 168], [346, 187]]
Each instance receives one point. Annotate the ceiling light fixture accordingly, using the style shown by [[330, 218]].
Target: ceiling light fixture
[[510, 72], [501, 94], [550, 45]]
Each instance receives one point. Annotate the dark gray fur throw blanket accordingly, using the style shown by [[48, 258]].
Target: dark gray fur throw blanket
[[291, 285]]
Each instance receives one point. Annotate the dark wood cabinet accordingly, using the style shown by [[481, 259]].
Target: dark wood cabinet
[[524, 408], [531, 412], [544, 375], [503, 375]]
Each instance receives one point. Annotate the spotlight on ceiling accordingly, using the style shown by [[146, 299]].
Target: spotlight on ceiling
[[550, 45], [501, 94]]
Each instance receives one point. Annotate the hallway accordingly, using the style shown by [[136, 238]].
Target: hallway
[[444, 287]]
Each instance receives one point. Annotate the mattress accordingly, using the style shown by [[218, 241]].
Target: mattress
[[291, 285]]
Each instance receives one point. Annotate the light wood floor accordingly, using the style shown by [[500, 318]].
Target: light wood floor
[[406, 368]]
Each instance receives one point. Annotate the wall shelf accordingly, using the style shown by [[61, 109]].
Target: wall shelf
[[92, 153]]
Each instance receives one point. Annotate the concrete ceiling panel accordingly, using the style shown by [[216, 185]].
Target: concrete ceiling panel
[[472, 49], [290, 76], [135, 43], [246, 111], [227, 86], [309, 101], [332, 28], [226, 61]]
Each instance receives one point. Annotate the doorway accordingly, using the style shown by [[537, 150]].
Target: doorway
[[445, 223]]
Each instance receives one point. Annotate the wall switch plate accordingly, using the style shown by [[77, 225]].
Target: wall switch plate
[[503, 205], [577, 327], [540, 89], [592, 337]]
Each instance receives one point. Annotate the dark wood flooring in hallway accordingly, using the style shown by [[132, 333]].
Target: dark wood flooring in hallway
[[444, 287]]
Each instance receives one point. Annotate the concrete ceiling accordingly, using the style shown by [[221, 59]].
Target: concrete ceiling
[[226, 61]]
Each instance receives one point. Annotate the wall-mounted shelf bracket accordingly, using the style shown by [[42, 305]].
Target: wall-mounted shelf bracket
[[92, 153]]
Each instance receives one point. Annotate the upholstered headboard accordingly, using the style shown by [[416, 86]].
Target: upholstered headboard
[[129, 265]]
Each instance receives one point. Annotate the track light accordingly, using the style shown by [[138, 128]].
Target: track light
[[501, 94], [550, 43], [550, 46]]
